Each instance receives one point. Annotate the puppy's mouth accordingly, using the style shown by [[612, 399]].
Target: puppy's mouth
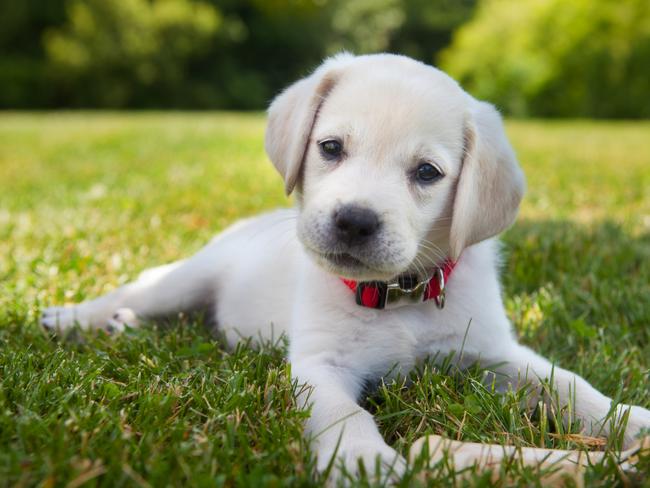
[[340, 263], [349, 266], [344, 260]]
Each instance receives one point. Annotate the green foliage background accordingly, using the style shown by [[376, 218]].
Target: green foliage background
[[578, 58], [556, 57], [197, 53]]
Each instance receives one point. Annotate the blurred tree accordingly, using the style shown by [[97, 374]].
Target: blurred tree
[[262, 45], [366, 26], [265, 44], [428, 26], [233, 54], [128, 52], [23, 71], [556, 58]]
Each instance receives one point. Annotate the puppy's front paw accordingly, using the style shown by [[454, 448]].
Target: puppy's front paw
[[638, 423], [60, 319], [87, 316], [381, 462]]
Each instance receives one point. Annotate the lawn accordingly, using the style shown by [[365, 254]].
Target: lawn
[[87, 200]]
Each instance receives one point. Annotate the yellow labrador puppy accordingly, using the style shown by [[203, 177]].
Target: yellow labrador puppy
[[401, 180]]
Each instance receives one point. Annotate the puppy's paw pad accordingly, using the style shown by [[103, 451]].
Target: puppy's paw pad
[[121, 319]]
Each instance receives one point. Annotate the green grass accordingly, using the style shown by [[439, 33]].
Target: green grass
[[88, 200]]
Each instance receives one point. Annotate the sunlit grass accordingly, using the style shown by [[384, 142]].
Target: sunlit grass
[[87, 200]]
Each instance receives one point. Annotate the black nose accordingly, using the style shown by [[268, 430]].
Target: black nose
[[355, 224]]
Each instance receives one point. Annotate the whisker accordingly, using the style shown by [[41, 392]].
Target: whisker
[[433, 248]]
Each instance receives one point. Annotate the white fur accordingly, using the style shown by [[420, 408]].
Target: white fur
[[271, 274]]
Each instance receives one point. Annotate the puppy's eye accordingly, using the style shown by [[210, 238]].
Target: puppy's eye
[[331, 148], [427, 172]]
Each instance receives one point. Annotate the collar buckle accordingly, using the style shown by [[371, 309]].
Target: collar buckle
[[402, 292]]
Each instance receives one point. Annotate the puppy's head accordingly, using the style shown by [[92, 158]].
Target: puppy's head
[[395, 167]]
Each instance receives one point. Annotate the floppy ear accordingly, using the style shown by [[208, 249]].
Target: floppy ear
[[292, 115], [491, 183]]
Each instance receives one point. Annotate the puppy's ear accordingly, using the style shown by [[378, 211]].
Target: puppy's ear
[[292, 116], [491, 183]]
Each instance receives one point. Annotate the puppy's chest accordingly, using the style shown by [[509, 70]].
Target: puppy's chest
[[406, 335]]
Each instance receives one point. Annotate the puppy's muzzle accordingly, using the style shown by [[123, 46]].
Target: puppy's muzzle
[[354, 225]]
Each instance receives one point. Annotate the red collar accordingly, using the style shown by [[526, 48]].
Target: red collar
[[405, 289]]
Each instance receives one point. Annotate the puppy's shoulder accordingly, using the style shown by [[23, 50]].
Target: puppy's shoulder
[[484, 258], [475, 279]]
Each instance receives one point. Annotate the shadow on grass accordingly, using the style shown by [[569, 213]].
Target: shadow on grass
[[582, 275], [560, 251]]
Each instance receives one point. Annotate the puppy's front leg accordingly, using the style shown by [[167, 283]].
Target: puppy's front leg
[[172, 288], [590, 406], [339, 428]]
